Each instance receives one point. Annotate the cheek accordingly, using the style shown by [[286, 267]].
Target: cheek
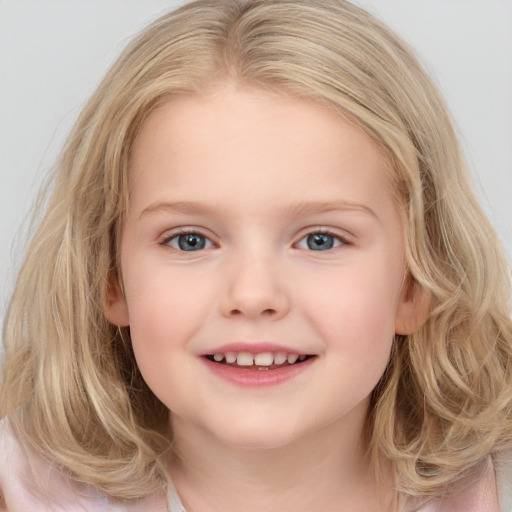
[[356, 321], [162, 298], [355, 309], [164, 311], [161, 323]]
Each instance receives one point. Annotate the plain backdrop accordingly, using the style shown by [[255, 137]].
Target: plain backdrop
[[54, 52]]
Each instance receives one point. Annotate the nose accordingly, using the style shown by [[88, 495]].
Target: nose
[[255, 289]]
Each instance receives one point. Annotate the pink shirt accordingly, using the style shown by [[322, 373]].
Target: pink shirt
[[62, 495]]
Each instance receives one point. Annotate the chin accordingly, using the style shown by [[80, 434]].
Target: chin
[[257, 437]]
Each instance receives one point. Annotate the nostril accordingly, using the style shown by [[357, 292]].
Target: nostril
[[254, 305], [265, 312]]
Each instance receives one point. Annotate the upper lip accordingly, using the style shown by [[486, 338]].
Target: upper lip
[[254, 348]]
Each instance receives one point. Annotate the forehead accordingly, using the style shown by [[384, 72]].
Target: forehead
[[237, 143]]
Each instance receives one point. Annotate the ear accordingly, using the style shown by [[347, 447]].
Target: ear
[[412, 308], [114, 304]]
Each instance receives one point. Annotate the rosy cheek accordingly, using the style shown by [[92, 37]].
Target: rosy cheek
[[354, 308]]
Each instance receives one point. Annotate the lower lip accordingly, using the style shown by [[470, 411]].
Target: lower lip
[[257, 378]]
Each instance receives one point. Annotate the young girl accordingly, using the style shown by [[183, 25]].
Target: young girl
[[262, 282]]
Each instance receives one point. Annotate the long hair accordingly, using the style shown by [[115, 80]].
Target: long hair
[[70, 383]]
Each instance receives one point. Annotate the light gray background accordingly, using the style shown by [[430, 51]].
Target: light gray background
[[54, 52]]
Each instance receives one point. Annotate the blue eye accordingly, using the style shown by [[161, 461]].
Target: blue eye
[[189, 242], [320, 242]]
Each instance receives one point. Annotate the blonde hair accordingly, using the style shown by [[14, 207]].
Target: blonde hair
[[70, 383]]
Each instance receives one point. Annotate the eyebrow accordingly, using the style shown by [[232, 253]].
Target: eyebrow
[[312, 207], [302, 208], [185, 207]]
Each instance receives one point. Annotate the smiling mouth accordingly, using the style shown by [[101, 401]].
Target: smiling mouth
[[262, 361]]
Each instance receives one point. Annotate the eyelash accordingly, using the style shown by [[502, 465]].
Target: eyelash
[[313, 231], [184, 231], [324, 231]]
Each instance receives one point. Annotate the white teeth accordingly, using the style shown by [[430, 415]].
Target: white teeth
[[262, 360], [244, 359], [280, 358], [230, 357], [265, 359], [292, 358]]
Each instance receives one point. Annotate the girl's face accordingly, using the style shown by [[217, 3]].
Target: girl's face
[[261, 228]]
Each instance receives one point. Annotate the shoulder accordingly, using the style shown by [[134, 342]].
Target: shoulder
[[28, 482], [504, 481], [485, 490]]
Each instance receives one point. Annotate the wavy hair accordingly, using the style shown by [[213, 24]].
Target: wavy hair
[[70, 383]]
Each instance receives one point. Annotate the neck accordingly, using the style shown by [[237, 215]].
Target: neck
[[320, 471]]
